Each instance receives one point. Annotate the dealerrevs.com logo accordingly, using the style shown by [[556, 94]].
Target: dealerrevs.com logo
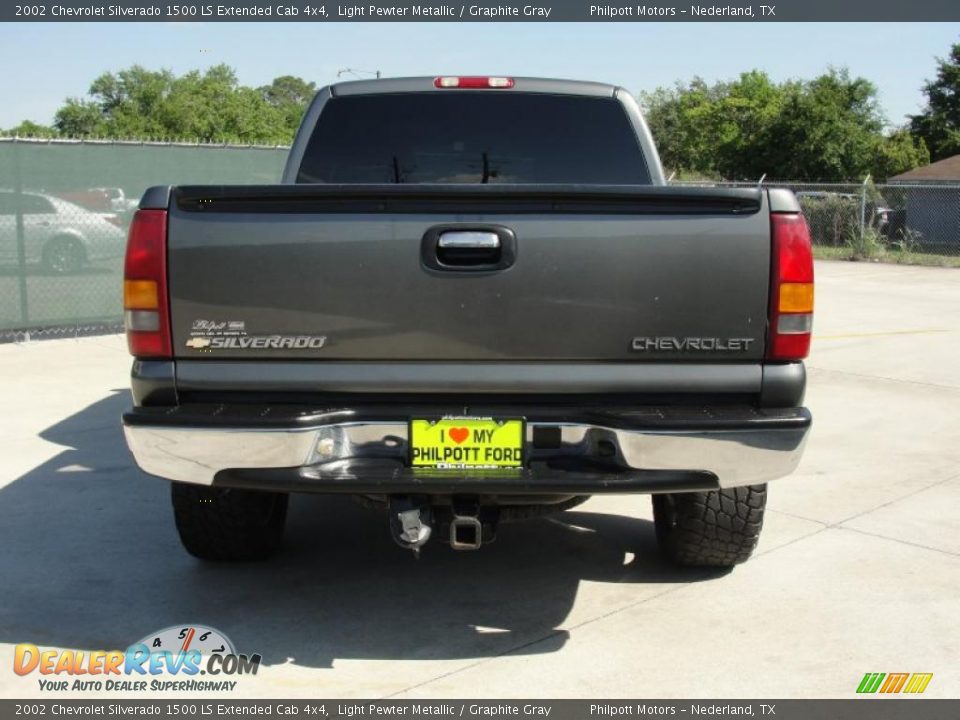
[[173, 659]]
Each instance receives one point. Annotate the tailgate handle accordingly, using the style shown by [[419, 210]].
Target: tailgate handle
[[468, 248], [469, 239]]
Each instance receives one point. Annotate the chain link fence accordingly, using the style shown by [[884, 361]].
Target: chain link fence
[[867, 220], [64, 211]]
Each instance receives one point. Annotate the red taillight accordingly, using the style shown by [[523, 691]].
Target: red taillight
[[472, 82], [791, 289], [145, 301]]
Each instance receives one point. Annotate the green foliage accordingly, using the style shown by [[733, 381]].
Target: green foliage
[[905, 257], [906, 241], [692, 176], [209, 106], [28, 129], [79, 118], [939, 124], [827, 129], [832, 218], [864, 245], [290, 96], [897, 153]]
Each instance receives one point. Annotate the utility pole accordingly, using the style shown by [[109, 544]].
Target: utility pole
[[358, 73]]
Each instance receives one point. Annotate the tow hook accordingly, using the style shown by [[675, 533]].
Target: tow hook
[[410, 523]]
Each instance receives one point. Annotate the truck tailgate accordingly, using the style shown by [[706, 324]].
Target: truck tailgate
[[339, 273]]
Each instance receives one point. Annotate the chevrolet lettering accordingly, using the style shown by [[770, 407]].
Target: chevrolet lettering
[[688, 344]]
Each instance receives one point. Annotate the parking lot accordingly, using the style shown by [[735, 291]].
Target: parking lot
[[857, 570]]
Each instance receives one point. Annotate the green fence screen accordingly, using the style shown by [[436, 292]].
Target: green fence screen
[[64, 211]]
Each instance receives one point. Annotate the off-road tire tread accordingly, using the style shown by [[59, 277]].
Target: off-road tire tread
[[718, 528], [226, 525]]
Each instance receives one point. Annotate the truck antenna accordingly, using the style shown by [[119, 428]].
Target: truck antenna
[[760, 181]]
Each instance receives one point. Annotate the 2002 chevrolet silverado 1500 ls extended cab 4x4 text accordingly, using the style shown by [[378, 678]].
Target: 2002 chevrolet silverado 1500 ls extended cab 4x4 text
[[470, 300]]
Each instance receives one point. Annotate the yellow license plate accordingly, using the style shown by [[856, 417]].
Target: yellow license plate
[[460, 443]]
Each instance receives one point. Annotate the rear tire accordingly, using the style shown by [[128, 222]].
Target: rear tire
[[718, 528], [63, 256], [227, 525]]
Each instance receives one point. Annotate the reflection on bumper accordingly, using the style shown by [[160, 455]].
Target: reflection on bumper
[[332, 453]]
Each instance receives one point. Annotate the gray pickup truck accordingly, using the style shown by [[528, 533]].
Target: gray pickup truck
[[470, 300]]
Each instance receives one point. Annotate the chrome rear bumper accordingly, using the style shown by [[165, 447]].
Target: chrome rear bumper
[[648, 450]]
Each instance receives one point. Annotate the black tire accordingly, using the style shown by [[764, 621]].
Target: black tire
[[226, 525], [63, 255], [719, 528]]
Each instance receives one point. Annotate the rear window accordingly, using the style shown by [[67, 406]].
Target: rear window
[[473, 138]]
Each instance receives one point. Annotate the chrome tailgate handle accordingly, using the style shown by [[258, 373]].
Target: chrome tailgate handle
[[472, 239], [464, 248]]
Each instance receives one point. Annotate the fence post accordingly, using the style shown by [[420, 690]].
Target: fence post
[[21, 241], [863, 209]]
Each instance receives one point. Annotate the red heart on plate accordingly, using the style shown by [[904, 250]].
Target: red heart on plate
[[458, 435]]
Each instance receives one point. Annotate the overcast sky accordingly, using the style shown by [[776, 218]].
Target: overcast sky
[[47, 62]]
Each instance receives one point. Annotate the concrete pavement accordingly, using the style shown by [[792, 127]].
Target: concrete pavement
[[857, 570]]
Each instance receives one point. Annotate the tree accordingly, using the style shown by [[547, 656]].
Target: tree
[[209, 106], [744, 115], [939, 124], [897, 153], [679, 120], [289, 95], [28, 129], [79, 118], [822, 130], [828, 130], [213, 107]]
